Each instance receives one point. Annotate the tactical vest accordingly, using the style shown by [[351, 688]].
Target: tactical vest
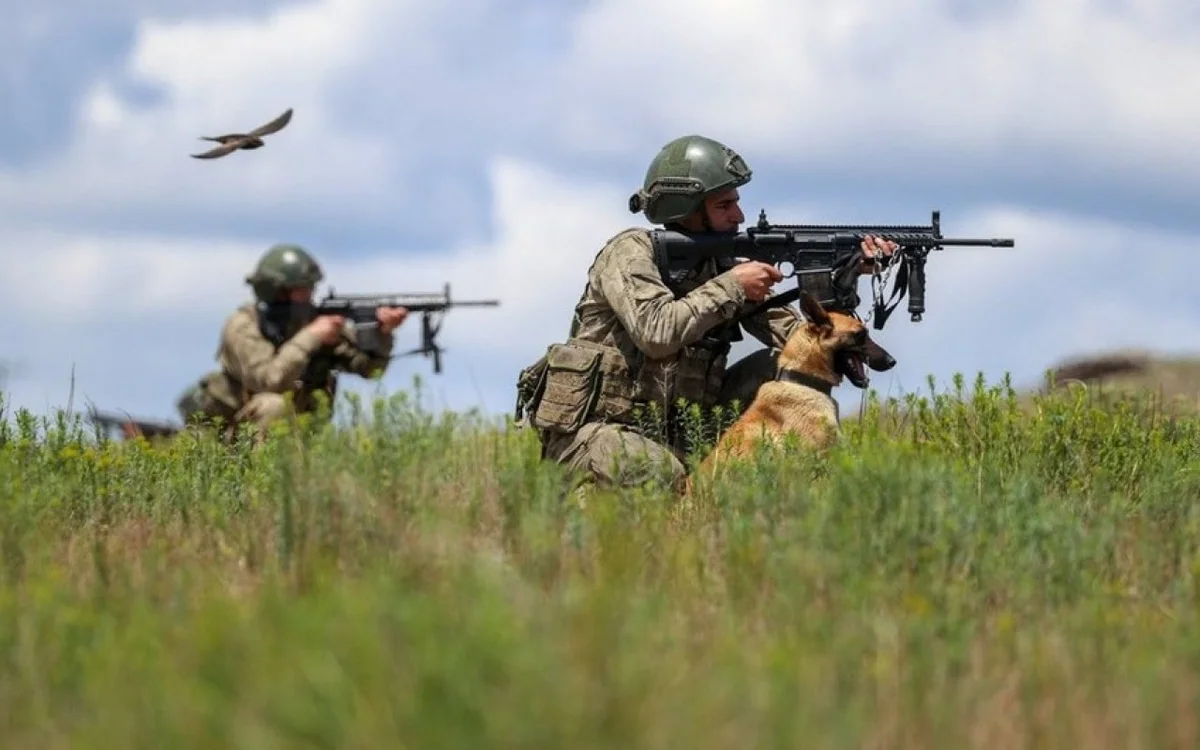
[[580, 381], [219, 393]]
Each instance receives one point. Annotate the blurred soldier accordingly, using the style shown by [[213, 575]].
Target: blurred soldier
[[275, 355]]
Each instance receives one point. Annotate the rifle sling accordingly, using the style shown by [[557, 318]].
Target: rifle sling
[[882, 310], [779, 300]]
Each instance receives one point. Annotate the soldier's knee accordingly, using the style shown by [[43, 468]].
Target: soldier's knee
[[272, 406], [265, 408], [624, 458]]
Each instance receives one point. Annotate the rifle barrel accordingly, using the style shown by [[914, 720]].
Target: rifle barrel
[[360, 297], [900, 238], [401, 300], [989, 242]]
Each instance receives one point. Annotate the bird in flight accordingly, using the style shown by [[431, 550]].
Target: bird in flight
[[234, 141]]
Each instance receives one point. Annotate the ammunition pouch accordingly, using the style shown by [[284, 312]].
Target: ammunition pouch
[[530, 384], [213, 396], [701, 367], [320, 374], [575, 383], [578, 382], [571, 389]]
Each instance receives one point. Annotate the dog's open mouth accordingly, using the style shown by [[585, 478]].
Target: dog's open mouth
[[852, 363]]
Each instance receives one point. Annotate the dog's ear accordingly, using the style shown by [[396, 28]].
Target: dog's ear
[[811, 307]]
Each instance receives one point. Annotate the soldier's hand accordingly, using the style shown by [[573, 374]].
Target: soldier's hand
[[328, 328], [874, 247], [390, 318], [756, 278]]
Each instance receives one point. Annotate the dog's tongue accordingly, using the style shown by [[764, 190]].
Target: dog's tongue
[[856, 364]]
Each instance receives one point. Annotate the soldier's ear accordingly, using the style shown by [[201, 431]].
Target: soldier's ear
[[813, 311]]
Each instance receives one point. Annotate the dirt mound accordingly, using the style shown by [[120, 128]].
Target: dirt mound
[[1091, 369], [1172, 380]]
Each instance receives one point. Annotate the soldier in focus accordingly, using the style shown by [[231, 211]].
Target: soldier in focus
[[639, 338], [275, 356]]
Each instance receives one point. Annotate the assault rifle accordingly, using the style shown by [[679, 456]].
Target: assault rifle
[[128, 427], [824, 259], [360, 309]]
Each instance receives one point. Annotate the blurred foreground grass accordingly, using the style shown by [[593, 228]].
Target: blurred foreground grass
[[961, 572]]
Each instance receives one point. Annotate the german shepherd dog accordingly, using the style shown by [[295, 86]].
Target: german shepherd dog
[[826, 348]]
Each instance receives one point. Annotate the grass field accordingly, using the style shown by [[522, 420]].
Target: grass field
[[970, 570]]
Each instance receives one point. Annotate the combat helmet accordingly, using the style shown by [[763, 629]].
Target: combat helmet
[[685, 172], [283, 266]]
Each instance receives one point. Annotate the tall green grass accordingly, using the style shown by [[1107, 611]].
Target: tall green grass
[[964, 570]]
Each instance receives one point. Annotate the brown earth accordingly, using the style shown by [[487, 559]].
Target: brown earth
[[1167, 378]]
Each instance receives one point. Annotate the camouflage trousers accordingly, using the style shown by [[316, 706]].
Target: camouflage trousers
[[617, 455], [261, 410]]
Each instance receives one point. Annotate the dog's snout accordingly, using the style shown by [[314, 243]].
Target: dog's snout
[[878, 358], [882, 361]]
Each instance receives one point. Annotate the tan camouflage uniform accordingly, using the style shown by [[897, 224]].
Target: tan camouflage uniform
[[261, 364], [636, 341], [255, 374]]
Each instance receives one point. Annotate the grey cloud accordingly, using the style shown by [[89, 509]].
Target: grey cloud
[[48, 67], [52, 51], [438, 114], [991, 102]]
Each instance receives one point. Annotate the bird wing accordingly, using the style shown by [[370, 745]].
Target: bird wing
[[218, 151], [274, 125]]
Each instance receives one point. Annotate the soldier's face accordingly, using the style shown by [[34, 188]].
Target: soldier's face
[[300, 294], [724, 213]]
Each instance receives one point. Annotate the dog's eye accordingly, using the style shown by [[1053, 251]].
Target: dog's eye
[[861, 336]]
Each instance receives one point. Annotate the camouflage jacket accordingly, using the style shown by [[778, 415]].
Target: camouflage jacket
[[255, 364], [627, 305]]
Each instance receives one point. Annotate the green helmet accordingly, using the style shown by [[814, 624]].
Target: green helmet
[[283, 266], [685, 172]]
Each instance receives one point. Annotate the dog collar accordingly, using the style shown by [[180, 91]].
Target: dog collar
[[803, 378]]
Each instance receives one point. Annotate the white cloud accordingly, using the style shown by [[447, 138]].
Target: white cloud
[[548, 228], [809, 81], [126, 158], [385, 107], [120, 277]]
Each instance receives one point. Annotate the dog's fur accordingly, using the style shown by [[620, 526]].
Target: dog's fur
[[827, 348]]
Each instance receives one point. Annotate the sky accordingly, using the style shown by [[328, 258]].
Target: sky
[[493, 146]]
